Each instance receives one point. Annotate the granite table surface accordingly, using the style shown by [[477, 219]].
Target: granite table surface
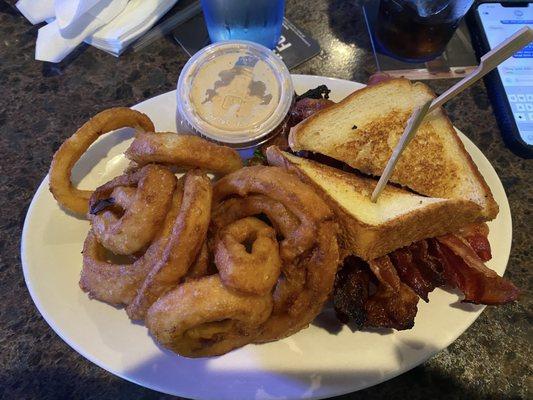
[[41, 104]]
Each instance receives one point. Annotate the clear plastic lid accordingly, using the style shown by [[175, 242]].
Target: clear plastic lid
[[235, 92]]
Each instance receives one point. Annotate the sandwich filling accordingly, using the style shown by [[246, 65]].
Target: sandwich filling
[[384, 291]]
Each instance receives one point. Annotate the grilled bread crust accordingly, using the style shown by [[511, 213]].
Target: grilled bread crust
[[363, 129], [390, 226]]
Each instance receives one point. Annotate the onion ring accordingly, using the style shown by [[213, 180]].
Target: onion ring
[[117, 284], [142, 218], [201, 266], [311, 249], [236, 208], [204, 318], [296, 306], [286, 188], [184, 151], [251, 272], [123, 196], [188, 235], [70, 198]]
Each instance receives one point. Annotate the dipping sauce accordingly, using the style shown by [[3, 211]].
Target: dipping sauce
[[236, 93]]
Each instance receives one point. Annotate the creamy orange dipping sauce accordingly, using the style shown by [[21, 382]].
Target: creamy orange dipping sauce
[[235, 93], [232, 96]]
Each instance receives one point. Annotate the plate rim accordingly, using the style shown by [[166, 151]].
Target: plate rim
[[42, 187]]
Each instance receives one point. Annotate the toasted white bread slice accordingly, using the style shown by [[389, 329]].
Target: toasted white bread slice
[[363, 129], [397, 219]]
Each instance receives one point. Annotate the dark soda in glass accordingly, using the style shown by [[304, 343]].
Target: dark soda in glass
[[418, 30]]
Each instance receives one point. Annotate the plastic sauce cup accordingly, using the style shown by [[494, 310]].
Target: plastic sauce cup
[[235, 93]]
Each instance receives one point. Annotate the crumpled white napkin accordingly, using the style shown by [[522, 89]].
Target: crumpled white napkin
[[110, 25], [136, 19], [36, 11], [68, 12], [74, 21]]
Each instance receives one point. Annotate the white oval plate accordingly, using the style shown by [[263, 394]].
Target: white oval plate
[[312, 364]]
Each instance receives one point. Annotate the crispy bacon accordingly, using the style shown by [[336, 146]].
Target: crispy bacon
[[306, 107], [465, 270], [302, 108], [455, 260], [394, 305], [373, 296], [477, 237], [352, 286], [417, 268]]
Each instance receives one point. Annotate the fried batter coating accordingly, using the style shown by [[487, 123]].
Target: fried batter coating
[[117, 284], [204, 318], [253, 271], [142, 218], [309, 252], [281, 186], [184, 151], [187, 237], [76, 200]]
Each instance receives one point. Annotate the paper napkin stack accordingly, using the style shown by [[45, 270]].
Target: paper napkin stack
[[110, 25], [137, 18]]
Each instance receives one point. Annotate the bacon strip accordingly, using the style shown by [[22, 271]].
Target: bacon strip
[[455, 260], [306, 107], [352, 286], [300, 110], [465, 270], [477, 237], [417, 268], [394, 305]]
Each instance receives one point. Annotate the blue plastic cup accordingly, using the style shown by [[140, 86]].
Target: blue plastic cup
[[258, 21]]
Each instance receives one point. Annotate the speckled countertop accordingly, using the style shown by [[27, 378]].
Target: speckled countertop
[[41, 104]]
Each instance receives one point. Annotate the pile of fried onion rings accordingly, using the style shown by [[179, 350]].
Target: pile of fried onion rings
[[208, 265]]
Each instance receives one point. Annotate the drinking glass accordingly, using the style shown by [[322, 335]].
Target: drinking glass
[[418, 30], [254, 20]]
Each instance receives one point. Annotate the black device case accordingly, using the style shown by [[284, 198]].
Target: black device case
[[495, 89]]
